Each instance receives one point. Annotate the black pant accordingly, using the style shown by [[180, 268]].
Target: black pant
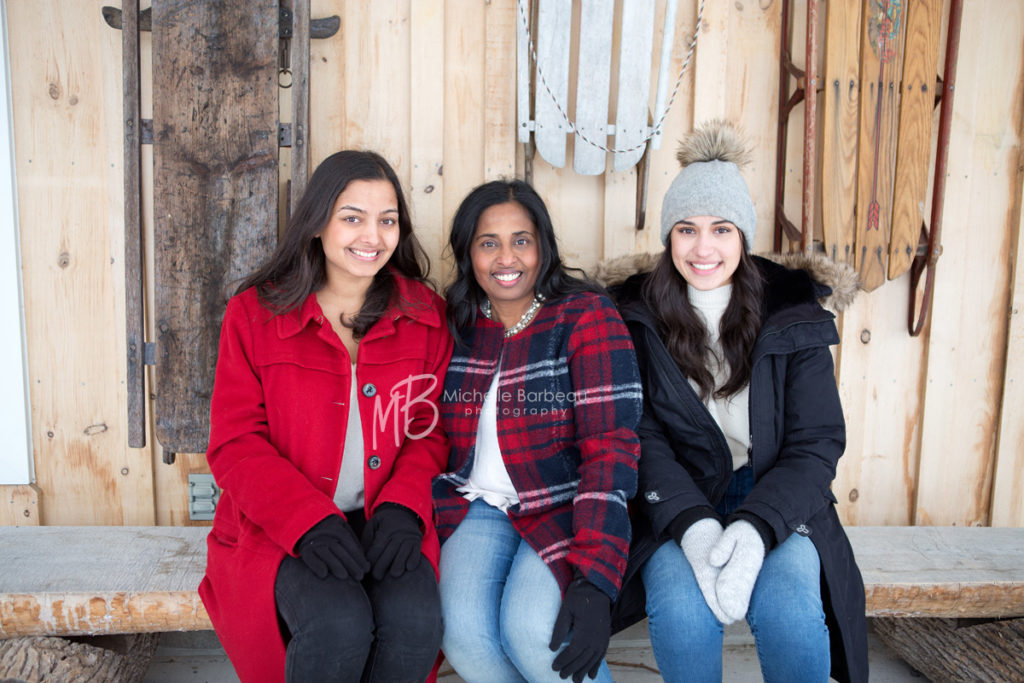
[[386, 631]]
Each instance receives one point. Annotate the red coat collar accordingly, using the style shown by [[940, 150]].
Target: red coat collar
[[411, 299]]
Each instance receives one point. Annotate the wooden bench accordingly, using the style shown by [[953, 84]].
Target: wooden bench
[[950, 572], [58, 583], [965, 585], [70, 581], [77, 581]]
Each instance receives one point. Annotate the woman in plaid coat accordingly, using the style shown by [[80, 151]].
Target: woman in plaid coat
[[541, 402]]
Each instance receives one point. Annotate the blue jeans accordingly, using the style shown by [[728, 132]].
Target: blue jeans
[[785, 614], [499, 602]]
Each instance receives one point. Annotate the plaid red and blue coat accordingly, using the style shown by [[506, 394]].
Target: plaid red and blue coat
[[569, 402]]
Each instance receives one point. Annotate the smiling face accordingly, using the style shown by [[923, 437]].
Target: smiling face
[[361, 232], [706, 251], [506, 259]]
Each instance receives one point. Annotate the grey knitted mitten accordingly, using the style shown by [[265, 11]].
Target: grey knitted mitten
[[739, 554], [697, 542]]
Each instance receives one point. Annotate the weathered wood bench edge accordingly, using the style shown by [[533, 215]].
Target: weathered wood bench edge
[[950, 571], [101, 580], [957, 572], [100, 613]]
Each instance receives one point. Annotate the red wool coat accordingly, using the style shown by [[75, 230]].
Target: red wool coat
[[278, 419]]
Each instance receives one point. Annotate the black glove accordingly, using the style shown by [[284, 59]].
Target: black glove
[[392, 539], [587, 612], [331, 547]]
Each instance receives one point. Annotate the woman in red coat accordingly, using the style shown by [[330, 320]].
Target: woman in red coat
[[324, 438]]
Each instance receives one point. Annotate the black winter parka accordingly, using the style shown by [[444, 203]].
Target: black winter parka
[[797, 436]]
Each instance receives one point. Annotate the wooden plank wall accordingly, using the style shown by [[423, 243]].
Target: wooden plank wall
[[66, 92], [934, 421], [967, 341]]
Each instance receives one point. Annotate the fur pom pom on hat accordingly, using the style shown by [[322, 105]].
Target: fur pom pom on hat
[[710, 183]]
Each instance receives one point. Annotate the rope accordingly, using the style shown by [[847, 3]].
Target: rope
[[521, 4]]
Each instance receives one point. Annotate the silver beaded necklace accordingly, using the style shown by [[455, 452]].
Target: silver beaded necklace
[[525, 320]]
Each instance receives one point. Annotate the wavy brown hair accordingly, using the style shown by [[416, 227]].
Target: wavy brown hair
[[298, 266], [685, 335]]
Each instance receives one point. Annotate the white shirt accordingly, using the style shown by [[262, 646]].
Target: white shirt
[[489, 478]]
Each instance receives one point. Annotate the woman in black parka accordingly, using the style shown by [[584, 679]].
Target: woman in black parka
[[741, 433]]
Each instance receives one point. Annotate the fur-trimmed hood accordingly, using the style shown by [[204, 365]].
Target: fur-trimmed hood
[[839, 278]]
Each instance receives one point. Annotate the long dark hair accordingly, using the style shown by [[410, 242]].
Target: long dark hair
[[554, 280], [298, 265], [685, 335]]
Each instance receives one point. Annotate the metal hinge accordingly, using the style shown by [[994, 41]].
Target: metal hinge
[[284, 135]]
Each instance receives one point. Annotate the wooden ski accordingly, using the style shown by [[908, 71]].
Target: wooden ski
[[917, 109], [839, 134], [881, 65]]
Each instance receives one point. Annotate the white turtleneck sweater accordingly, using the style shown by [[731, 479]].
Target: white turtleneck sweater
[[731, 414]]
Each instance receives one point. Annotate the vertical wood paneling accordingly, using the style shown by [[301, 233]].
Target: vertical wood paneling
[[377, 75], [573, 201], [1007, 501], [19, 505], [619, 232], [879, 368], [969, 324], [711, 64], [328, 82], [500, 83], [66, 96], [733, 33], [464, 89], [426, 127]]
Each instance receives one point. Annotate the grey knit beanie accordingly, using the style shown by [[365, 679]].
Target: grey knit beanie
[[710, 183]]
